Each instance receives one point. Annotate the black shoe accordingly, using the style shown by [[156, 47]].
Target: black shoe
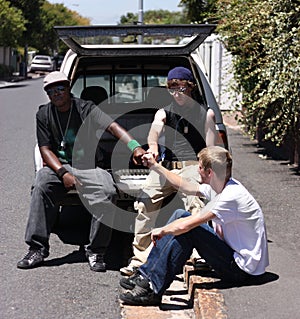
[[96, 262], [141, 294], [32, 259], [129, 282]]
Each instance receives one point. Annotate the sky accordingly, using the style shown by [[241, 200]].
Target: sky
[[110, 11]]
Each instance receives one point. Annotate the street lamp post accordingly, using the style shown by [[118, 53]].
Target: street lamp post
[[140, 19], [141, 12]]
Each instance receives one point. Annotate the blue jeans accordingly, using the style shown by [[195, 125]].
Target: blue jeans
[[48, 190], [168, 257]]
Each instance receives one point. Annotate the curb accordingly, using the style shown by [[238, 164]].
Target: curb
[[176, 304], [191, 296], [4, 84], [15, 80], [209, 302]]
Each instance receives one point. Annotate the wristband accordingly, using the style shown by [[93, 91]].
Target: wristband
[[133, 144], [61, 172]]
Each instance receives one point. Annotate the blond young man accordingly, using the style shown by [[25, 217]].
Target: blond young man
[[237, 252]]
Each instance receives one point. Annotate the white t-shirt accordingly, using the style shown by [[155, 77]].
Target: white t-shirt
[[242, 222]]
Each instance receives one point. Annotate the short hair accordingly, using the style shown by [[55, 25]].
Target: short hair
[[176, 83], [218, 159]]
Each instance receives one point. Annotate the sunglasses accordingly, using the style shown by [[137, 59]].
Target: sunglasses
[[58, 89], [180, 90]]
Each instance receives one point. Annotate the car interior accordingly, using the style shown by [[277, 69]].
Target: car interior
[[132, 75], [130, 92]]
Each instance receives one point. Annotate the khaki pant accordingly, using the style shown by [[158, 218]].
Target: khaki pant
[[148, 206]]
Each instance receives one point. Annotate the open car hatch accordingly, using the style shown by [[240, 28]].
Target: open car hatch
[[122, 40]]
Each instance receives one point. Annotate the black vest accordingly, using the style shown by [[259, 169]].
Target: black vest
[[184, 132]]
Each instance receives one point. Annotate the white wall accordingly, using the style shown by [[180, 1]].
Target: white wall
[[5, 54], [217, 61]]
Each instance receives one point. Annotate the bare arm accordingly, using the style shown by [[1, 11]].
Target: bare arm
[[119, 132], [177, 181], [210, 128], [181, 226], [51, 160], [155, 131]]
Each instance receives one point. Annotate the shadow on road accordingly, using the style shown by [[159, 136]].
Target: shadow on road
[[220, 284], [11, 86], [77, 256]]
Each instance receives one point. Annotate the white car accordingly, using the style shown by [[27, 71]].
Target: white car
[[130, 65], [42, 63]]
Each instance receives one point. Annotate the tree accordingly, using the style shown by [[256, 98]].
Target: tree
[[41, 16], [200, 11], [12, 24], [31, 11], [264, 36], [154, 17], [56, 15]]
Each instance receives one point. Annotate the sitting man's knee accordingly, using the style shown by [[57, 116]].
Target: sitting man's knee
[[42, 179], [179, 213], [139, 207]]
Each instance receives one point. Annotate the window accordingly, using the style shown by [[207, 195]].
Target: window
[[91, 80], [156, 80], [123, 87], [128, 88]]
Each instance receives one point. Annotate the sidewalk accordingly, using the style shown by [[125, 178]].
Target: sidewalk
[[230, 119], [15, 79], [5, 84], [175, 304], [187, 298]]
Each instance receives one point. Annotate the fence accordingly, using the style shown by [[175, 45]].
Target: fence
[[218, 61]]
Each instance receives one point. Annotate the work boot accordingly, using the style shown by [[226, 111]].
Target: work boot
[[141, 294], [33, 258], [96, 262]]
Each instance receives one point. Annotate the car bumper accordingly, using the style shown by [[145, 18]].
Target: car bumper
[[41, 68]]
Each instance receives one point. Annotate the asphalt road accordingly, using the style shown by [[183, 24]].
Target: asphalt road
[[65, 287], [277, 188]]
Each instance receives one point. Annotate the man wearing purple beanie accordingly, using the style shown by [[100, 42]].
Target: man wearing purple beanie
[[188, 127]]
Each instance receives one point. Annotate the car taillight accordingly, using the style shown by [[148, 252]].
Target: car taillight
[[222, 139]]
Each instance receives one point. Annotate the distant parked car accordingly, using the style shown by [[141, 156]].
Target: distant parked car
[[42, 63]]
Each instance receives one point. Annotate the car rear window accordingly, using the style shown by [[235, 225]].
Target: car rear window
[[121, 87], [42, 58]]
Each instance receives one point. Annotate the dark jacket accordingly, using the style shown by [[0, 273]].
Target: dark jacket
[[184, 131], [92, 119]]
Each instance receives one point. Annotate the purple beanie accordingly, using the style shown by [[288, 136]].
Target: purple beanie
[[181, 73]]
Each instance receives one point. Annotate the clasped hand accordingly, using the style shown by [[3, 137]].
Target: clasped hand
[[137, 155], [148, 159]]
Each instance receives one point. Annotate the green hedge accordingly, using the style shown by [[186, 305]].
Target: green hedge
[[5, 71]]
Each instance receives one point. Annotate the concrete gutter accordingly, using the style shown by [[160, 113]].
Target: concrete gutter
[[189, 297]]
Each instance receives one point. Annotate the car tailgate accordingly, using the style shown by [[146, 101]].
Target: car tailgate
[[83, 39]]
